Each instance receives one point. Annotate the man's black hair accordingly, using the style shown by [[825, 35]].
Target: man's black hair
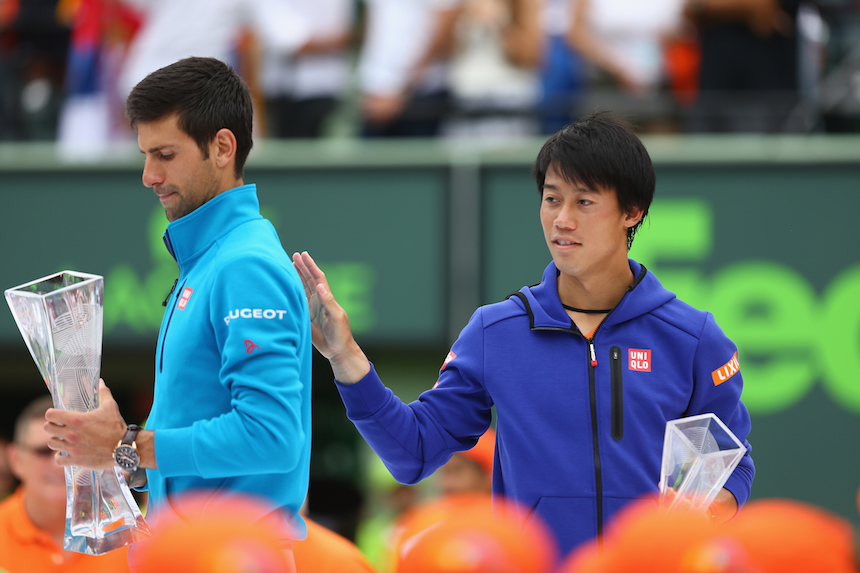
[[601, 150], [205, 94]]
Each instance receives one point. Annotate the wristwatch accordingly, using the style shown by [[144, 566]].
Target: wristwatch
[[125, 454]]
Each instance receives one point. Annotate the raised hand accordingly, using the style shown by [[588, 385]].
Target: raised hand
[[332, 336]]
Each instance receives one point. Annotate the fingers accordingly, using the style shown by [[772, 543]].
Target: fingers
[[309, 272], [105, 395], [55, 417], [308, 268], [304, 274], [312, 276]]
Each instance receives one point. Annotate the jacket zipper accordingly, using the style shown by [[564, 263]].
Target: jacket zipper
[[169, 245], [598, 474], [617, 393], [592, 391], [173, 288], [167, 327]]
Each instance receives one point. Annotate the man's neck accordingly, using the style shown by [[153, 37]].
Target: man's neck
[[602, 290]]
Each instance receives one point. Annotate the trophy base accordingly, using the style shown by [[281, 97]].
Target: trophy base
[[101, 513], [112, 541]]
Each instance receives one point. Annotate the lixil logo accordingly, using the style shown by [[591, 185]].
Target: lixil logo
[[725, 372]]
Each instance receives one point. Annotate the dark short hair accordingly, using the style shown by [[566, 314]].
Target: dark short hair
[[206, 94], [35, 410], [601, 150]]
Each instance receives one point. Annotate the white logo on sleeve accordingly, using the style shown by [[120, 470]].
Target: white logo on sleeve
[[255, 313]]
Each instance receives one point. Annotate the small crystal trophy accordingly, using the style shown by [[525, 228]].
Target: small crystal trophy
[[60, 318], [699, 455]]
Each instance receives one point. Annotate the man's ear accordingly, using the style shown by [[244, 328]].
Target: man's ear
[[633, 217], [223, 148], [13, 457]]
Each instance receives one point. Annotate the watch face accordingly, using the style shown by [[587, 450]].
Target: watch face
[[126, 458]]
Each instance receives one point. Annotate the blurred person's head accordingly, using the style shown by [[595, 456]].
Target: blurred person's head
[[470, 470], [33, 464], [602, 153], [647, 538], [789, 536], [475, 535], [215, 535], [767, 536], [205, 95]]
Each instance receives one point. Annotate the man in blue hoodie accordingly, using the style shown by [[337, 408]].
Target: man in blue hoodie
[[584, 369], [231, 410]]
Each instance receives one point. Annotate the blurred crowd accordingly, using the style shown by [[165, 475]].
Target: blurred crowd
[[424, 68]]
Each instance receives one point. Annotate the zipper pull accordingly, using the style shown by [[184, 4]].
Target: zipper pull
[[593, 355], [173, 288]]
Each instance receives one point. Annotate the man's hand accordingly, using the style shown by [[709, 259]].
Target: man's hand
[[332, 336], [722, 509], [86, 439]]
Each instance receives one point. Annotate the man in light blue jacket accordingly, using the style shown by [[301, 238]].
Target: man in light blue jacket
[[231, 412]]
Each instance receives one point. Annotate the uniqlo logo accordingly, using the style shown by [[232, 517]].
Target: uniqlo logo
[[183, 300], [639, 359]]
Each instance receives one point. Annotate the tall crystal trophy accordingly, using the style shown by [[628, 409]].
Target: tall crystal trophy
[[60, 318], [699, 455]]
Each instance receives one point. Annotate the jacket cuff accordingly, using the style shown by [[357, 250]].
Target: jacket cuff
[[174, 452], [364, 398]]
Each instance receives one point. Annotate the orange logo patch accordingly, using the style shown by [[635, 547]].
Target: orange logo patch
[[451, 356], [726, 371]]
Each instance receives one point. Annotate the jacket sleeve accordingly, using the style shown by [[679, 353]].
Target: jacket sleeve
[[415, 439], [262, 353], [718, 384]]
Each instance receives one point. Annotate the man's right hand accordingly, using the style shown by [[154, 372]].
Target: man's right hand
[[332, 336]]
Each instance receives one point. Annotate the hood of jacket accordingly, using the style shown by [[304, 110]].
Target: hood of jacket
[[543, 305]]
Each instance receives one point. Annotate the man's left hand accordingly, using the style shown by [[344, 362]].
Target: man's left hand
[[86, 439]]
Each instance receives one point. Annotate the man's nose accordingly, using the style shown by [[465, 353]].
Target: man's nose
[[152, 176], [566, 218]]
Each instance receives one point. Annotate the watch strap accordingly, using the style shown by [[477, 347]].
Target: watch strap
[[130, 435]]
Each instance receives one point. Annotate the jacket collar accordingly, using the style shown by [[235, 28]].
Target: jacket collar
[[188, 236], [545, 310]]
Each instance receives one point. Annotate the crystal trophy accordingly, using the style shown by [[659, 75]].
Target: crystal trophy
[[699, 455], [60, 318]]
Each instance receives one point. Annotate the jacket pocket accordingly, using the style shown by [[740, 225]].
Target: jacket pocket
[[615, 370]]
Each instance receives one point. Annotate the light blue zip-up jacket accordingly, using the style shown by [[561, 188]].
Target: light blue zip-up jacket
[[580, 422], [232, 401]]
